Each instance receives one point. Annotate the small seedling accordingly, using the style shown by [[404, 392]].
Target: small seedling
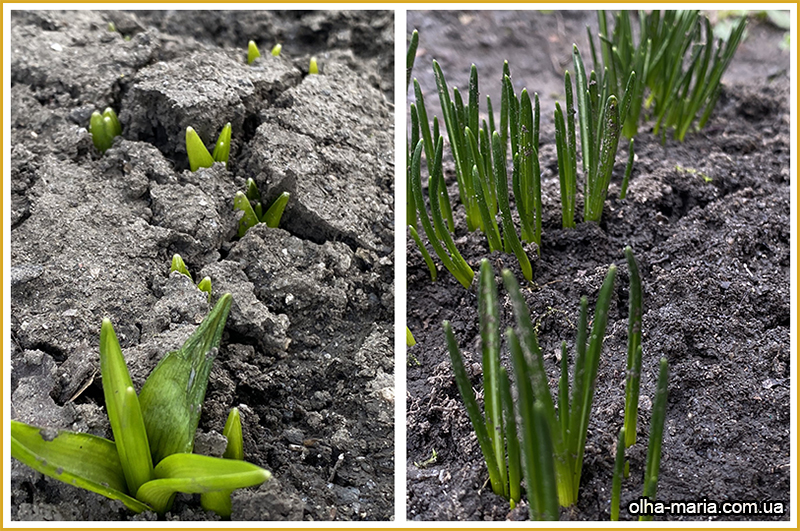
[[250, 204], [252, 52], [104, 128], [410, 341], [155, 428], [312, 66], [653, 462], [180, 266], [199, 157], [220, 501], [276, 50]]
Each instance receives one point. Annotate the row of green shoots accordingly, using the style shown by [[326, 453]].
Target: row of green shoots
[[656, 75], [546, 448]]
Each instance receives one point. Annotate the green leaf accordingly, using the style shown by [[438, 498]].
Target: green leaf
[[172, 396], [124, 412], [653, 462], [312, 66], [199, 157], [276, 50], [616, 478], [205, 285], [633, 368], [220, 501], [251, 191], [252, 53], [113, 127], [196, 474], [79, 459], [249, 219], [411, 56], [179, 265], [223, 147], [425, 254], [410, 341], [272, 217]]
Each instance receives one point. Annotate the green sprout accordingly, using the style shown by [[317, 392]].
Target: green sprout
[[249, 203], [600, 118], [155, 428], [104, 128], [276, 50], [312, 66], [252, 52], [633, 369], [180, 266], [220, 501], [653, 462], [616, 478], [675, 59], [199, 157], [410, 341], [553, 441]]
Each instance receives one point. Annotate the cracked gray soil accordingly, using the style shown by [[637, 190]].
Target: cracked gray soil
[[714, 259], [307, 353]]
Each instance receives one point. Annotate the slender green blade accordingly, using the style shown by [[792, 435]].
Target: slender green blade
[[607, 155], [582, 408], [196, 474], [249, 218], [272, 217], [222, 149], [634, 362], [123, 410], [173, 394], [199, 157], [488, 317], [473, 410], [628, 170], [512, 439], [411, 55], [79, 459], [425, 255], [656, 434], [251, 190]]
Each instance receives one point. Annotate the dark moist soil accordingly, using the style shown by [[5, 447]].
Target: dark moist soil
[[307, 353], [708, 220]]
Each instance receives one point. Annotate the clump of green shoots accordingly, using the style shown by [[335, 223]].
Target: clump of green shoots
[[249, 202], [104, 128], [252, 52], [675, 59], [199, 157], [600, 117], [180, 266], [552, 441], [150, 459]]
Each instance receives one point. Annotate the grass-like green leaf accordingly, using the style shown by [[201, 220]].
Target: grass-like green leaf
[[425, 254], [199, 157], [77, 459], [512, 439], [272, 217], [179, 265], [124, 412], [172, 397], [411, 56], [249, 218], [252, 52], [222, 149], [633, 368], [473, 410], [623, 191], [196, 474], [653, 462]]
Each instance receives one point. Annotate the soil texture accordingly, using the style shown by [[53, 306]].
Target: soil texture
[[709, 222], [307, 353]]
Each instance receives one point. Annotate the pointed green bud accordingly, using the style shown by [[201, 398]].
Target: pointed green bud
[[173, 394], [252, 52], [223, 147], [205, 285], [410, 341], [199, 157], [249, 219], [312, 66], [115, 126], [179, 265], [124, 412], [276, 50], [102, 141], [233, 432], [252, 192], [272, 217]]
